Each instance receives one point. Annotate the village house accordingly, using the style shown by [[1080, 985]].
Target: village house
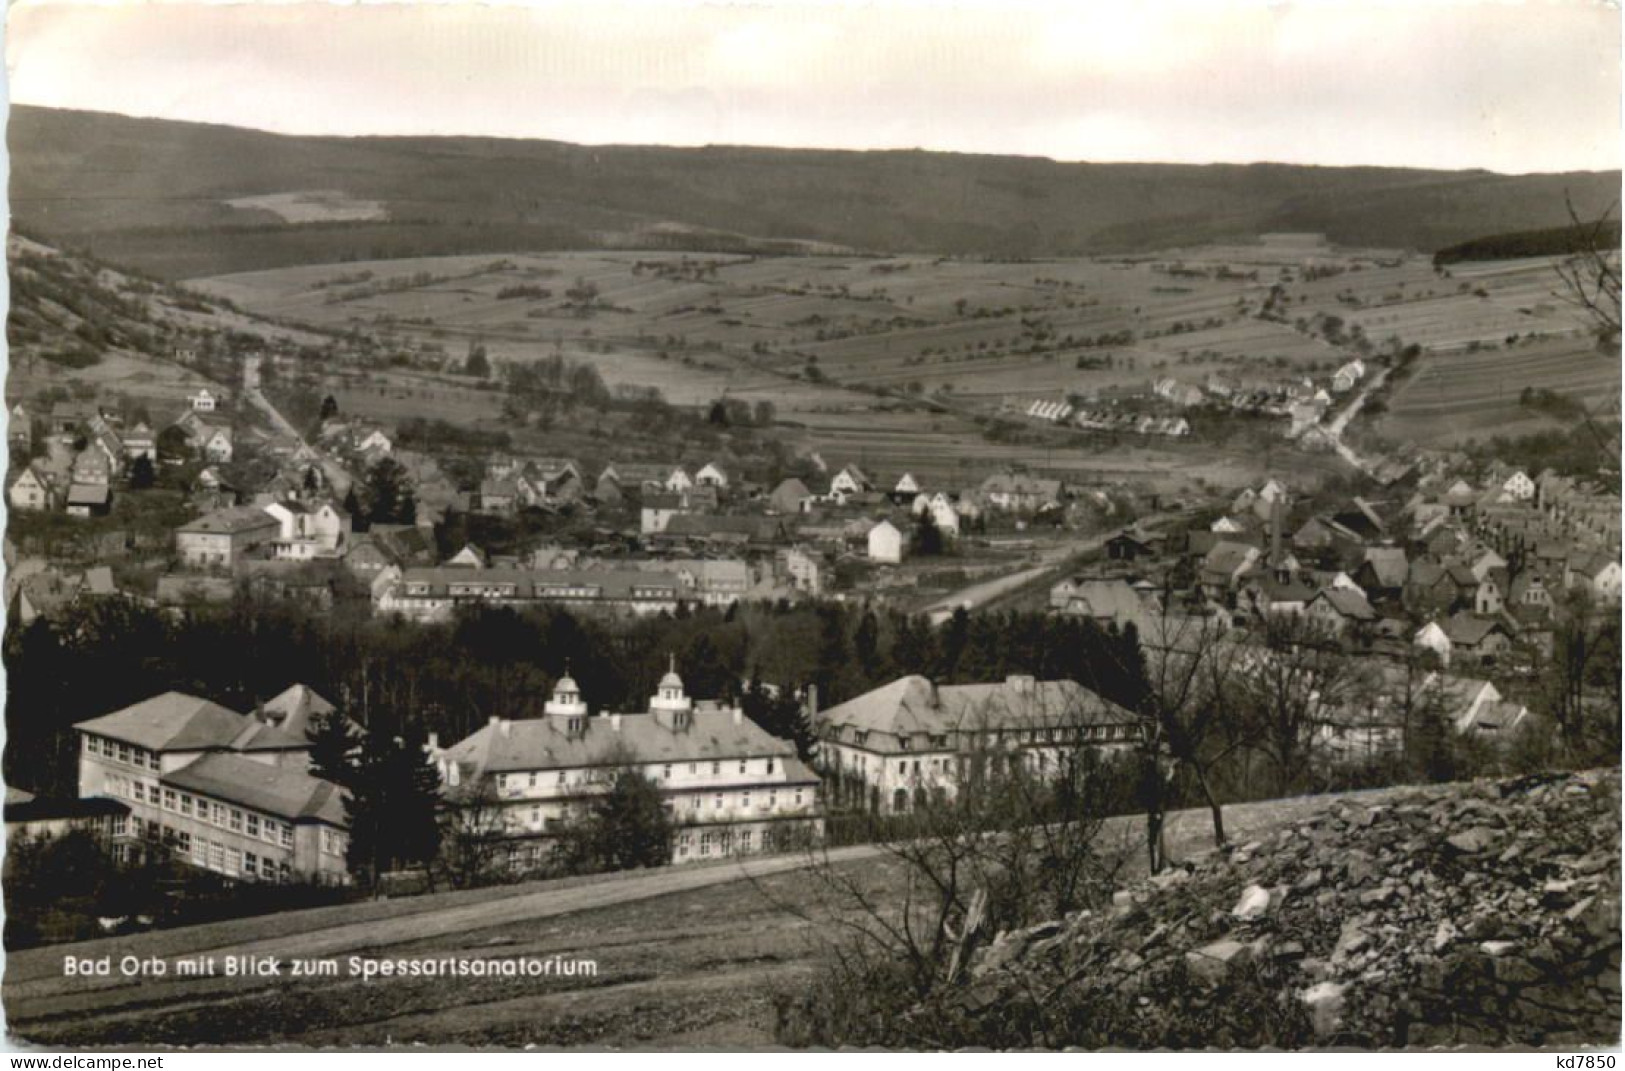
[[790, 496], [204, 401], [1475, 639], [712, 475], [678, 480], [729, 787], [850, 481], [89, 500], [224, 537], [20, 428], [432, 594], [885, 543], [1108, 603], [1340, 610], [913, 742], [222, 791], [1017, 492], [308, 530], [31, 490], [801, 568], [657, 511]]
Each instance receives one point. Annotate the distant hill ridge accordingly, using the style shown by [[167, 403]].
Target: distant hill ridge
[[153, 193]]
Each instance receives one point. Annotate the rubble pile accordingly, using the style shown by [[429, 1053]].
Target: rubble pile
[[1483, 914]]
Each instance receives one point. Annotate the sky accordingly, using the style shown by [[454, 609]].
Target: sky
[[1513, 87]]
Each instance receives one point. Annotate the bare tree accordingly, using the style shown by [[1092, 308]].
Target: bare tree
[[1017, 841], [1590, 275], [1192, 718], [1294, 686], [474, 835]]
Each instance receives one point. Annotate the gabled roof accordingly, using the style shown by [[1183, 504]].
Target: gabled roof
[[1350, 604], [175, 721], [541, 744], [296, 709], [231, 520], [913, 704], [1470, 630], [275, 790], [1389, 566]]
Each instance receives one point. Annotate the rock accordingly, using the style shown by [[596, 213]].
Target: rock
[[1380, 895], [1494, 949], [1210, 963], [1324, 1001], [1444, 935], [1287, 950], [1255, 901], [1169, 878], [1351, 940], [1473, 841], [1310, 881]]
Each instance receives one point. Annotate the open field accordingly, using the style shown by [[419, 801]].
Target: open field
[[687, 956], [887, 361], [1464, 395]]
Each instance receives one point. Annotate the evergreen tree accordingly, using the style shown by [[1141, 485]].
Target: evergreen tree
[[330, 407], [866, 645], [142, 474], [332, 739]]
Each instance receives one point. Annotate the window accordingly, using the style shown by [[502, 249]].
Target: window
[[533, 779], [902, 743], [536, 816], [219, 816], [186, 803], [742, 764], [798, 797], [268, 868], [286, 833], [694, 803], [769, 765], [745, 802], [123, 753], [744, 841], [169, 799], [253, 825], [121, 825], [719, 801], [217, 856], [236, 820], [716, 768], [693, 767], [772, 799], [667, 773], [705, 843], [561, 777], [183, 841]]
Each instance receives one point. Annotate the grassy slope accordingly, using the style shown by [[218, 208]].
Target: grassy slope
[[694, 967], [152, 192]]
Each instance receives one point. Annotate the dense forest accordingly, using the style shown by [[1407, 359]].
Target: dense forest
[[1551, 242]]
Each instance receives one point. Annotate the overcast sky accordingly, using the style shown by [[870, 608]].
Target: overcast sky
[[1511, 87]]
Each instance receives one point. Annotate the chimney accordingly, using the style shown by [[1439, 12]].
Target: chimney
[[1275, 533], [812, 700], [504, 725], [615, 722], [434, 742], [739, 715], [496, 720]]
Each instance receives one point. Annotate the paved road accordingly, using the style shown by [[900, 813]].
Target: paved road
[[338, 478], [1051, 558]]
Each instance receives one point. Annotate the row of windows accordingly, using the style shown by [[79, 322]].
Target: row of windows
[[768, 801], [120, 752], [187, 805], [210, 854], [515, 782], [1061, 734]]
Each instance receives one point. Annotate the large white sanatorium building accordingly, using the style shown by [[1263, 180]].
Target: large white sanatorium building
[[730, 786], [912, 740]]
